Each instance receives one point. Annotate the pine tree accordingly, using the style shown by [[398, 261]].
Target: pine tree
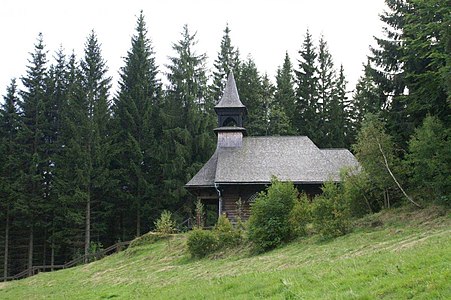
[[228, 60], [34, 160], [71, 167], [249, 85], [366, 98], [284, 95], [269, 114], [338, 117], [9, 190], [306, 121], [386, 57], [55, 100], [426, 51], [388, 73], [95, 86], [411, 64], [278, 122], [326, 117], [136, 113], [188, 139]]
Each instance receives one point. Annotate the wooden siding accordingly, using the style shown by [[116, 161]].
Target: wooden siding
[[232, 193], [230, 139]]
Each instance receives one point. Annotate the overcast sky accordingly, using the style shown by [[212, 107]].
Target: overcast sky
[[265, 29]]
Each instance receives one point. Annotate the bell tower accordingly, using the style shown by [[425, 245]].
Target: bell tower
[[231, 113]]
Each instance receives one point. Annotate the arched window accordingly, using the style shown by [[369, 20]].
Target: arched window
[[229, 122]]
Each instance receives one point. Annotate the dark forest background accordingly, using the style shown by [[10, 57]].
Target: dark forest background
[[83, 167]]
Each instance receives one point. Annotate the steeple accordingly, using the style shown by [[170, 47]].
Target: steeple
[[229, 109], [230, 113]]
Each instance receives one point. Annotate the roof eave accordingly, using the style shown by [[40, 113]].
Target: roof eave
[[269, 182], [189, 186]]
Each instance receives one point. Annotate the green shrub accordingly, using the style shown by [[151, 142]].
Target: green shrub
[[331, 211], [202, 243], [269, 222], [239, 216], [94, 248], [226, 234], [300, 216], [165, 224], [357, 191], [200, 214]]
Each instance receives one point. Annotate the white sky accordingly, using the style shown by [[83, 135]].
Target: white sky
[[265, 29]]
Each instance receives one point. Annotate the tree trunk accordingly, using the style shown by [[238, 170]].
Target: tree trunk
[[5, 263], [88, 225], [138, 222], [52, 254], [52, 245], [385, 198], [30, 251], [388, 198], [44, 250], [368, 204], [122, 228], [138, 213]]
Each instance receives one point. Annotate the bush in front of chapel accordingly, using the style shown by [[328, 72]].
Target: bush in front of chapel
[[269, 224]]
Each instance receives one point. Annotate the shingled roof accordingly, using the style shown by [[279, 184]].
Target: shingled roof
[[290, 158], [230, 98]]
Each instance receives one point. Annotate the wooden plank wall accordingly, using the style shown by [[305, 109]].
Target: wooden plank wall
[[231, 194], [230, 197]]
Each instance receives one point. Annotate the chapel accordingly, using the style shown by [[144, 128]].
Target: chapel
[[242, 166]]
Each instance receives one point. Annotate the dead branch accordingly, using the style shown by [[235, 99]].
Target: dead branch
[[394, 178]]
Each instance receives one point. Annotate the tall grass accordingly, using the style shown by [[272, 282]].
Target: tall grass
[[396, 254]]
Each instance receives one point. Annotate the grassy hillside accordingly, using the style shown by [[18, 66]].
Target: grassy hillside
[[396, 254]]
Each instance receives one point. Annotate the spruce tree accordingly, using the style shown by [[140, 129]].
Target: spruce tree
[[249, 85], [95, 87], [228, 60], [278, 122], [426, 59], [269, 114], [338, 115], [32, 142], [56, 88], [326, 118], [137, 125], [306, 121], [9, 164], [326, 107], [366, 98], [411, 64], [71, 167], [188, 139], [284, 95], [386, 57], [388, 72]]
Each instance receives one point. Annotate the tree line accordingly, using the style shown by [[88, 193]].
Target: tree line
[[81, 167]]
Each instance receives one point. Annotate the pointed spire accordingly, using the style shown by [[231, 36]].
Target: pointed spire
[[230, 113], [230, 98]]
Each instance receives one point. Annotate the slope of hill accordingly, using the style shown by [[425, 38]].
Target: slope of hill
[[397, 254]]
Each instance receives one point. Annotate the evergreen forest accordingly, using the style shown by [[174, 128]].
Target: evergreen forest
[[83, 166]]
